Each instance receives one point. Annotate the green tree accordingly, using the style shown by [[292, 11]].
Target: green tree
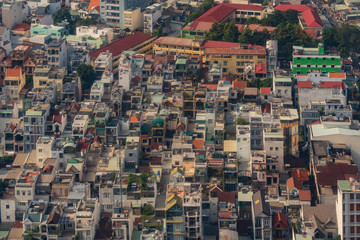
[[231, 33], [148, 210], [216, 32], [252, 20], [159, 31], [321, 112], [86, 21], [3, 186], [240, 121], [289, 35], [329, 37], [348, 37], [204, 7], [61, 15], [260, 37], [87, 76], [246, 36]]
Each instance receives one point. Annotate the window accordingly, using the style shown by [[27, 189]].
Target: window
[[7, 206], [106, 195], [276, 148], [357, 218], [271, 148], [358, 229], [266, 223], [29, 192], [17, 192], [308, 58], [177, 227], [225, 63], [351, 196], [352, 218], [23, 193], [352, 229], [357, 207], [130, 154], [330, 235], [8, 217], [40, 150], [352, 207]]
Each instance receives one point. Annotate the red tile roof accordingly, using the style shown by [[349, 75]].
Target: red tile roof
[[12, 127], [304, 84], [329, 175], [331, 84], [122, 44], [304, 195], [228, 197], [280, 222], [309, 14], [57, 118], [293, 183], [260, 68], [265, 91], [239, 85], [22, 27], [299, 174]]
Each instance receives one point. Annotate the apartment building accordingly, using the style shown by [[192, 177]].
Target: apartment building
[[44, 75], [14, 82], [57, 53], [306, 60], [12, 13], [347, 206], [113, 11], [133, 18], [151, 16], [261, 217], [34, 125]]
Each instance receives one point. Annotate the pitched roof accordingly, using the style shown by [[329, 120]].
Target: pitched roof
[[93, 4], [22, 27], [211, 86], [260, 68], [13, 73], [330, 174], [280, 222], [122, 44], [304, 84], [332, 84], [294, 183], [134, 118], [304, 195], [300, 175], [259, 204], [337, 75], [265, 91], [228, 197], [309, 14], [239, 85]]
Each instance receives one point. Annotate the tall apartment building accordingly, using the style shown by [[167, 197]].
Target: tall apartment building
[[133, 18], [151, 15], [347, 209], [307, 60], [12, 13], [34, 125], [112, 11]]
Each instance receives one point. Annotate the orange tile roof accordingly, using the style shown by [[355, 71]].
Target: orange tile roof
[[211, 86], [13, 72], [337, 75], [134, 118], [240, 85], [304, 195], [22, 27], [280, 222], [198, 144], [94, 4], [300, 175]]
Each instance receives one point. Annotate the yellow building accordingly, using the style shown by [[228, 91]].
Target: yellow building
[[289, 122], [14, 82], [235, 60], [133, 18], [43, 75], [233, 57]]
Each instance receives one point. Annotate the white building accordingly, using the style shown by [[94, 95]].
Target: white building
[[5, 39], [243, 147], [79, 125], [348, 200], [87, 218], [8, 206], [25, 191], [12, 13], [34, 125], [151, 15], [102, 63], [43, 149], [95, 32], [97, 92]]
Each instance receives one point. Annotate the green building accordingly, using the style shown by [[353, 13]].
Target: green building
[[307, 60], [54, 31], [186, 32]]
